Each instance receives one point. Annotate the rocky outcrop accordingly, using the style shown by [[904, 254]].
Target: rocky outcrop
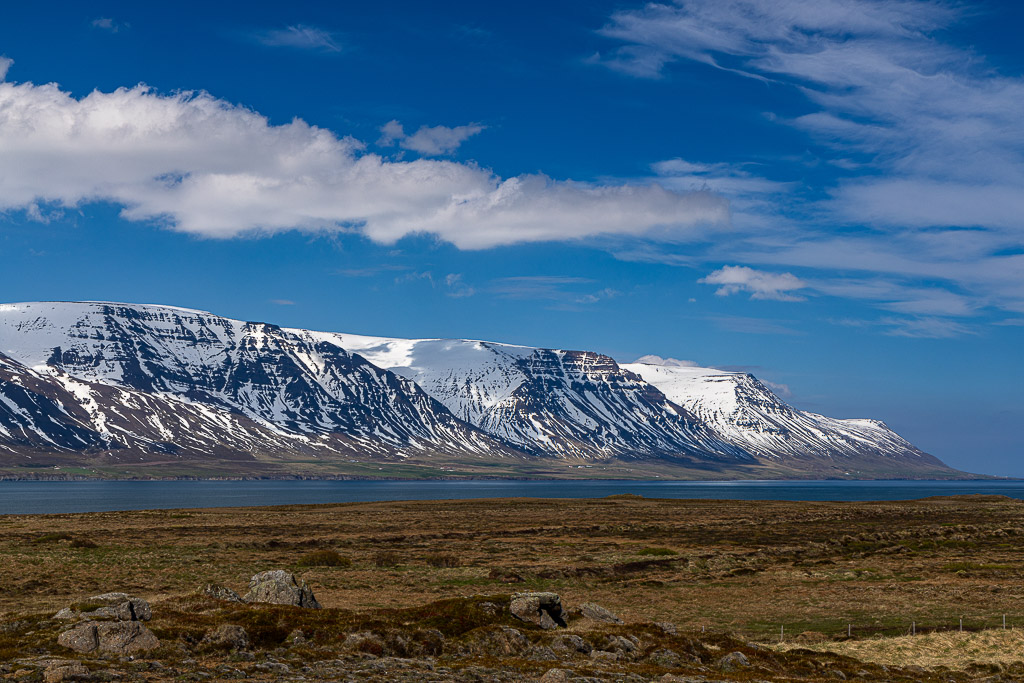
[[111, 622], [117, 637], [542, 609], [279, 587], [595, 612], [118, 606]]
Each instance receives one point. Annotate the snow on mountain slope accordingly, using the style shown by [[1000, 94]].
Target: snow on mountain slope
[[747, 413], [290, 385], [563, 403]]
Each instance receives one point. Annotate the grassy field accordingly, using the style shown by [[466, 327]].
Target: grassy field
[[805, 574]]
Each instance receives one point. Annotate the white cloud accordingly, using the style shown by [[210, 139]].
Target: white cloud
[[651, 359], [428, 140], [203, 166], [108, 24], [924, 138], [457, 287], [759, 284], [5, 64], [300, 36]]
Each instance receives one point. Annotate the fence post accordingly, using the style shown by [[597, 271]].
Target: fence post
[[849, 630], [961, 624], [782, 632]]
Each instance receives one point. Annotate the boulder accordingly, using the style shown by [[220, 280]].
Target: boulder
[[125, 637], [118, 637], [227, 636], [570, 644], [595, 612], [554, 676], [279, 587], [733, 661], [118, 606], [218, 592], [542, 609], [80, 638], [497, 641]]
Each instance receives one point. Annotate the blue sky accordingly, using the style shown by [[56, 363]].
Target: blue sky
[[826, 193]]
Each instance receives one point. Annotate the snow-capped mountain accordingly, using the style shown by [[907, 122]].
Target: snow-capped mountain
[[109, 382], [561, 403], [746, 413], [162, 379]]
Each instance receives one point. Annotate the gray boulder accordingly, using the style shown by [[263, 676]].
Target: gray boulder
[[218, 592], [80, 638], [595, 612], [118, 637], [279, 587], [542, 609], [117, 606], [733, 661]]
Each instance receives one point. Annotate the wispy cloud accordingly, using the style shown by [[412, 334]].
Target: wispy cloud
[[924, 139], [282, 302], [925, 327], [565, 290], [108, 24], [746, 325], [427, 140], [300, 36], [457, 287]]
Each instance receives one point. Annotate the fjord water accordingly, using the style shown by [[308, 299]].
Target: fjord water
[[53, 497]]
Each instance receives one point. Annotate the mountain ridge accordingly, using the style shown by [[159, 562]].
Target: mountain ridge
[[99, 385]]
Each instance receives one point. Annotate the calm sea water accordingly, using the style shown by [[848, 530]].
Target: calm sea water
[[30, 497]]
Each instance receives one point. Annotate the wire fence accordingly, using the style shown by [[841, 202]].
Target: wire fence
[[854, 630]]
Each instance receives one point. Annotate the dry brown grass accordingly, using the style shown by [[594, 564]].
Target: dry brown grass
[[951, 649], [741, 567]]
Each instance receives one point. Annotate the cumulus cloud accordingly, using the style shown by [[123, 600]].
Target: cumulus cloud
[[203, 166], [759, 284], [301, 37], [428, 140]]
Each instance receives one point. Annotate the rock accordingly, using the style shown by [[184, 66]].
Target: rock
[[125, 637], [498, 641], [491, 609], [554, 676], [119, 637], [229, 636], [542, 654], [605, 656], [733, 661], [218, 592], [296, 637], [542, 609], [119, 606], [58, 672], [598, 613], [570, 644], [279, 587], [668, 659], [620, 644], [80, 638], [667, 627]]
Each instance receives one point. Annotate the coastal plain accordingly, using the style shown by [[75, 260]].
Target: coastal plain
[[803, 590]]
